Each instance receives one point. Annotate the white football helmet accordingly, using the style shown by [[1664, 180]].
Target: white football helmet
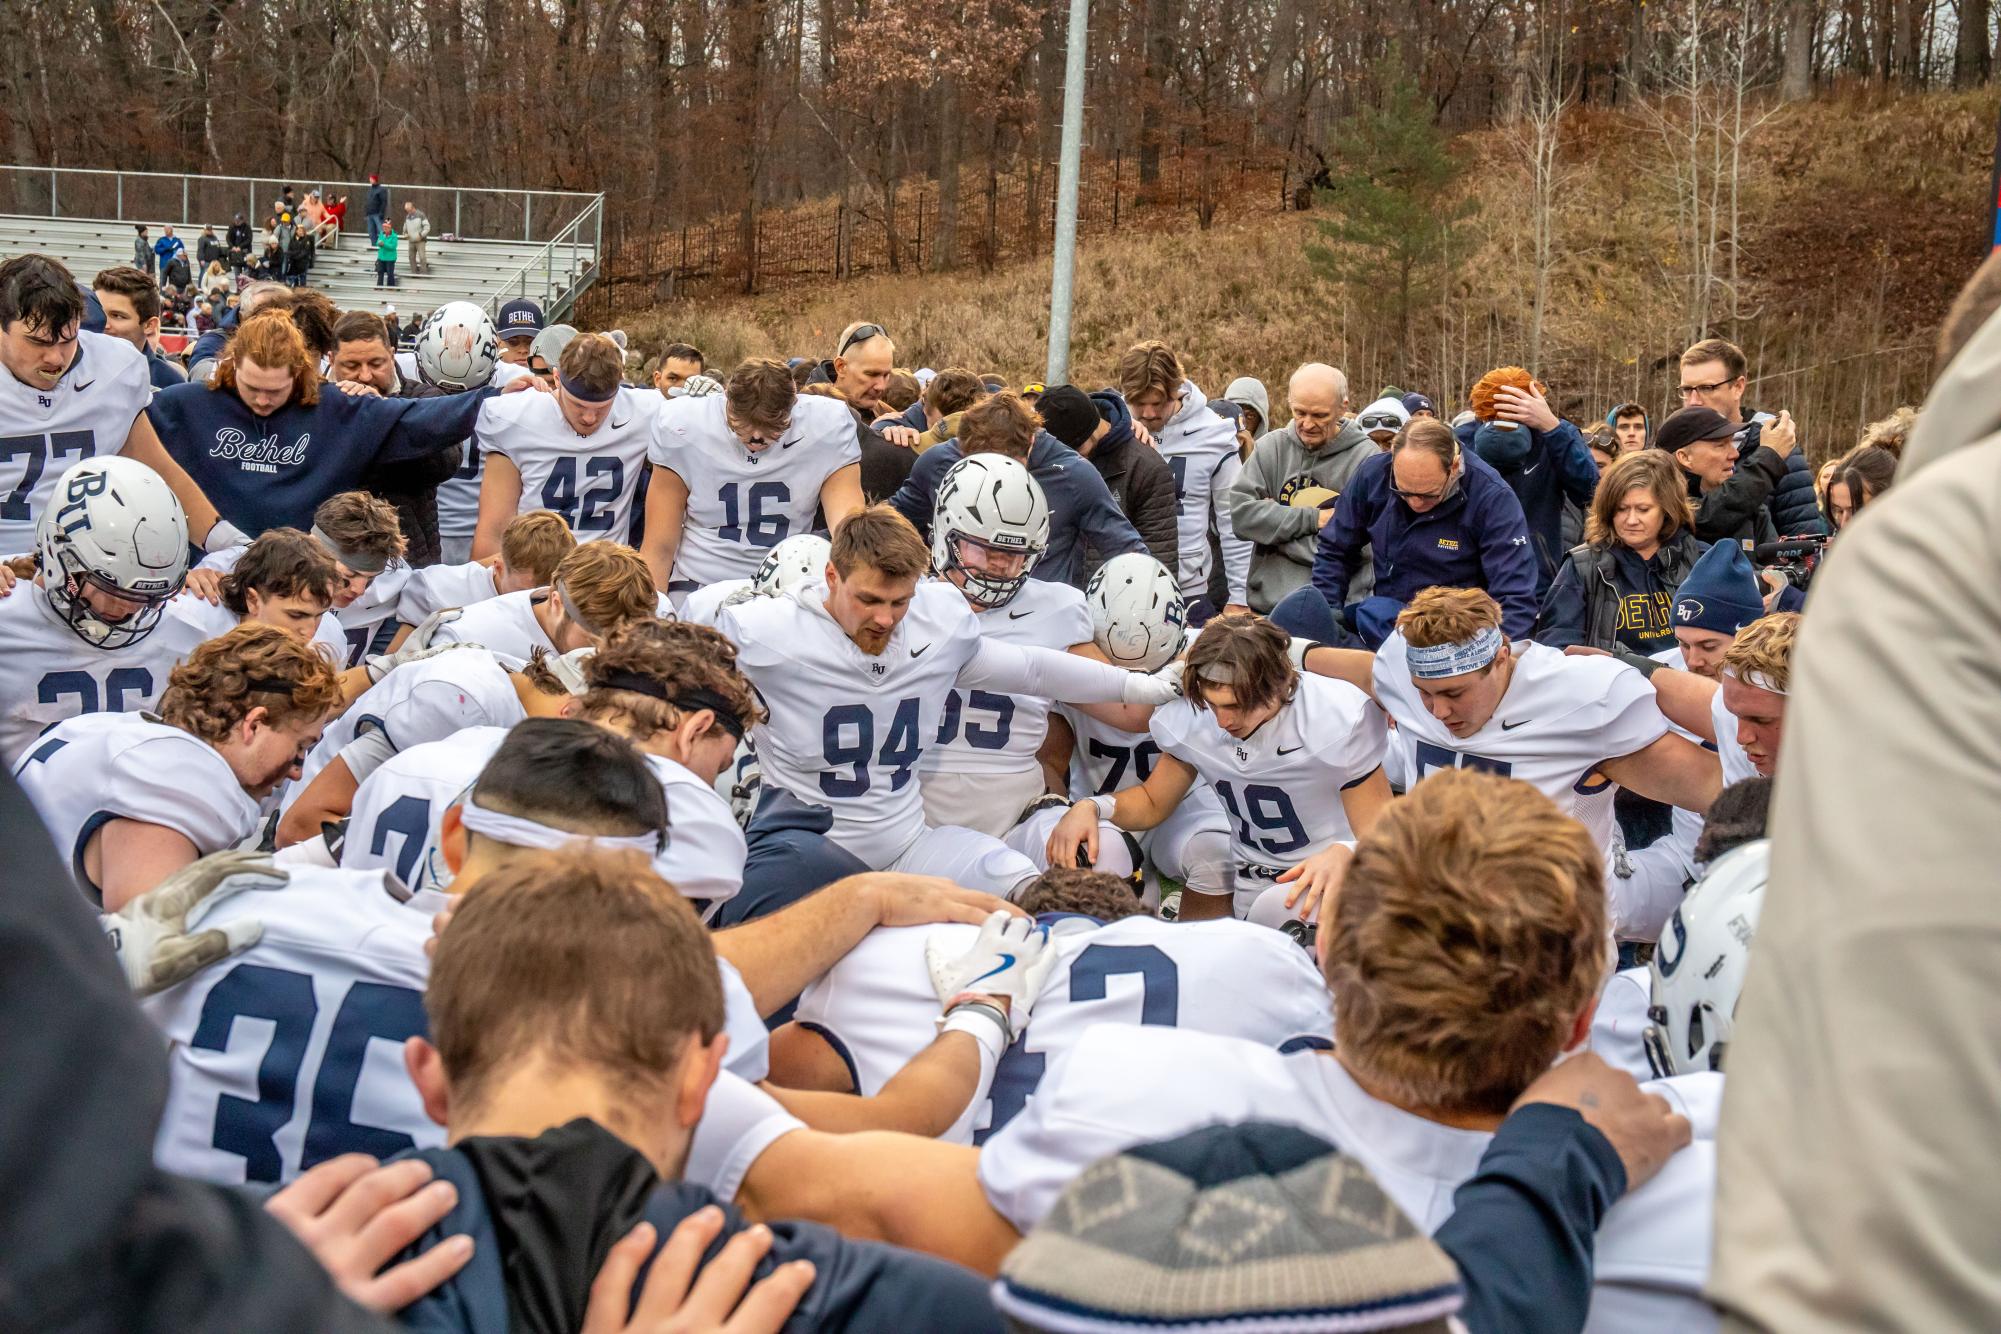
[[1698, 968], [988, 503], [112, 525], [457, 348], [791, 563], [1138, 618]]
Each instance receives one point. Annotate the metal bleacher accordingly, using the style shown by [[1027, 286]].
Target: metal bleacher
[[488, 246]]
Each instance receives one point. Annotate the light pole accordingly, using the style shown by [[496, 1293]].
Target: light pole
[[1064, 257]]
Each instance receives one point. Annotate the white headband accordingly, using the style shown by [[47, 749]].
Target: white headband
[[520, 832], [1437, 661], [1757, 680]]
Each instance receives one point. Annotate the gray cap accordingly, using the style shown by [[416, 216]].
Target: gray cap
[[1254, 1226]]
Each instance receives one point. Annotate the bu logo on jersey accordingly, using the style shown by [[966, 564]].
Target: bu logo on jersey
[[265, 455], [45, 400], [878, 668]]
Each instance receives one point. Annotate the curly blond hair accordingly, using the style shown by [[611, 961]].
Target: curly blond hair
[[251, 667], [1469, 935], [1514, 377], [1765, 647]]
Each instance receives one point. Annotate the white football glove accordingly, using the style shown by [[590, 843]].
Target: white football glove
[[700, 386], [1152, 689], [417, 647], [1008, 961], [155, 935]]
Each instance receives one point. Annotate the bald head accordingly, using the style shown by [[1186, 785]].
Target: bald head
[[1317, 395], [862, 366]]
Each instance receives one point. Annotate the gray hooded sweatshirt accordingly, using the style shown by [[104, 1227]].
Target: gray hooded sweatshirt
[[1284, 537]]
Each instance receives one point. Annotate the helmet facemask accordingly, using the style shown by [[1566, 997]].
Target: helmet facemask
[[66, 594], [986, 588]]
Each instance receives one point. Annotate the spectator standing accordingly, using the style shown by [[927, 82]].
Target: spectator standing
[[143, 258], [282, 235], [239, 244], [1249, 395], [416, 231], [299, 257], [1288, 488], [1731, 491], [1541, 457], [377, 207], [131, 303], [391, 328], [1432, 515], [208, 249], [1617, 589], [215, 279], [863, 357], [173, 257], [365, 353], [1629, 426], [1713, 377], [1099, 427], [385, 257], [336, 219]]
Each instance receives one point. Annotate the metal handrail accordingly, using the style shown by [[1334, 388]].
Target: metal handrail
[[517, 283], [18, 182]]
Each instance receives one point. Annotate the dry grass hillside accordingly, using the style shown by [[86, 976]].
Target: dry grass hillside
[[1859, 217]]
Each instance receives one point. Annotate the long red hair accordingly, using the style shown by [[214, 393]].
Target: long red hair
[[270, 339]]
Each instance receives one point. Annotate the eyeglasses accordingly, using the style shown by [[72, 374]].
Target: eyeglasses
[[1401, 494], [1688, 389], [861, 334]]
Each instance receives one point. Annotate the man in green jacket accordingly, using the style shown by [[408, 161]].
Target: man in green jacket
[[385, 258]]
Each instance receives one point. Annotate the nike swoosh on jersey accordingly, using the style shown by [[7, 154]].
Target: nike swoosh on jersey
[[1006, 962], [1509, 727], [1287, 750], [920, 652], [1017, 615], [82, 385]]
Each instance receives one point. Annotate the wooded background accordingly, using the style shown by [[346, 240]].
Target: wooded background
[[897, 118], [1609, 179]]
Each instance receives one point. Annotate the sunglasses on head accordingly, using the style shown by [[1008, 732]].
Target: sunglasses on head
[[860, 334], [1380, 422]]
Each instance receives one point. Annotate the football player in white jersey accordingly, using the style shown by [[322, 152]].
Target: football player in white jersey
[[1201, 448], [736, 473], [1743, 710], [1297, 764], [132, 798], [67, 395], [1572, 726], [1138, 622], [425, 700], [792, 562], [531, 547], [1434, 1042], [457, 351], [285, 579], [577, 451], [365, 539], [855, 669], [989, 527], [594, 590], [861, 1023], [287, 1054], [113, 548], [670, 688]]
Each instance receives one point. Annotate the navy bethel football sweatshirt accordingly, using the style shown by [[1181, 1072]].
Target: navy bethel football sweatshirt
[[271, 472]]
